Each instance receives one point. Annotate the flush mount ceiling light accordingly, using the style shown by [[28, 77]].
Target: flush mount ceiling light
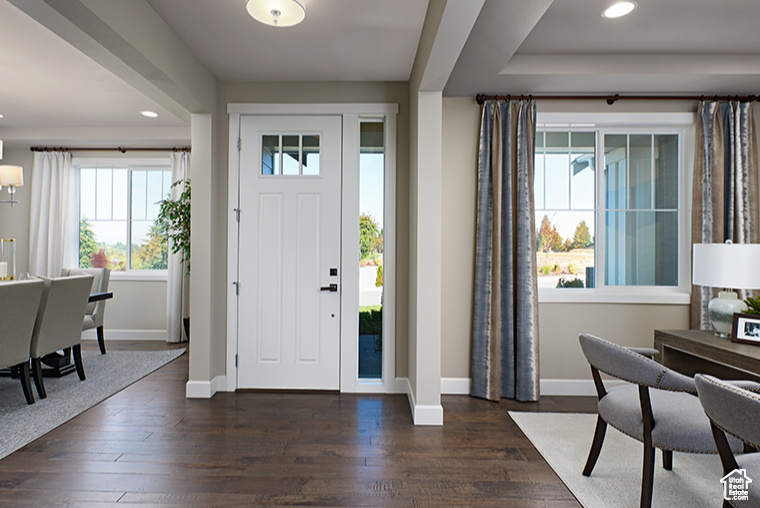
[[279, 13], [618, 9], [149, 114]]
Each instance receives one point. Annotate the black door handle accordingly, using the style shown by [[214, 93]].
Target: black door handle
[[333, 288]]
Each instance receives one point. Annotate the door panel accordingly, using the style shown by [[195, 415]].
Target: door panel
[[290, 184]]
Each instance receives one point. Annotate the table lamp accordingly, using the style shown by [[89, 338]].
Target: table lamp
[[729, 266]]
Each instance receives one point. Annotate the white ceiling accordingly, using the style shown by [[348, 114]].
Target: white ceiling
[[46, 85], [339, 40], [663, 47], [49, 90]]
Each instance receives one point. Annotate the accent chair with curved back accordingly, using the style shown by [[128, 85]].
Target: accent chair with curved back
[[657, 406], [59, 322], [95, 311], [735, 411], [19, 301]]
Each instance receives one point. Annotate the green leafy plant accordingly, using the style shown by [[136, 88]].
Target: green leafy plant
[[545, 269], [371, 321], [174, 216], [564, 283], [753, 305]]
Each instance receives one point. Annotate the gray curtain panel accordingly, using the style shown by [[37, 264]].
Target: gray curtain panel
[[505, 318], [725, 193]]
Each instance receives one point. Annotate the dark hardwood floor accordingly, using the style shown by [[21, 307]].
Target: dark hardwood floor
[[150, 446]]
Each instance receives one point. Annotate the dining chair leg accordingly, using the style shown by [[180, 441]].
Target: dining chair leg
[[596, 446], [647, 474], [37, 371], [77, 353], [26, 382], [667, 459], [101, 340]]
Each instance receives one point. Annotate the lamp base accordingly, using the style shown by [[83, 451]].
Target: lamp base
[[721, 311]]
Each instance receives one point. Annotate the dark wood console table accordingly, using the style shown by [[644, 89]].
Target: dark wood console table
[[696, 351]]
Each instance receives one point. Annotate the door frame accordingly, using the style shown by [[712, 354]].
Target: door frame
[[349, 321]]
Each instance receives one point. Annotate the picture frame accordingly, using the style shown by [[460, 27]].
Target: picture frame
[[746, 329]]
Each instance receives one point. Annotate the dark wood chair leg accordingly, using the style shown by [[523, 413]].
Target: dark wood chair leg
[[37, 371], [667, 459], [647, 475], [647, 471], [101, 340], [26, 382], [77, 351], [596, 446]]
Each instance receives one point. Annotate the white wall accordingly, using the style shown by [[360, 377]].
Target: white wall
[[559, 323]]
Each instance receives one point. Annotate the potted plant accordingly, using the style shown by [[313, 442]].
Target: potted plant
[[174, 216]]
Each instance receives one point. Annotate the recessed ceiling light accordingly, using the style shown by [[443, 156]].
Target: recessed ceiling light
[[149, 114], [618, 9], [1, 115]]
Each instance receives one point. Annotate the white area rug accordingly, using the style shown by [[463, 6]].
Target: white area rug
[[67, 397], [565, 439]]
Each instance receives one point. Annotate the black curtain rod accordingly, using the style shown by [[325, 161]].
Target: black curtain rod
[[612, 99], [117, 149]]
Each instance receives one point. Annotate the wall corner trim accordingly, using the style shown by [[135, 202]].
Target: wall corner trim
[[421, 414], [205, 389]]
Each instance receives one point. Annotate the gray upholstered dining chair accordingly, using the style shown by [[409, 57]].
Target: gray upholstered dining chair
[[657, 406], [19, 301], [59, 322], [95, 311], [735, 411]]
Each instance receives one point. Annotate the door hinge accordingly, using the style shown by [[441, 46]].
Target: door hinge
[[239, 143], [237, 214], [237, 288], [236, 360]]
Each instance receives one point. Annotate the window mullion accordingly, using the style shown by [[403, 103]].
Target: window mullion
[[569, 170], [651, 167], [129, 219], [601, 216]]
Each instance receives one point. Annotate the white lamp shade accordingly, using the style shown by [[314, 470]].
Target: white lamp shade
[[11, 175], [279, 13], [721, 265], [1, 148]]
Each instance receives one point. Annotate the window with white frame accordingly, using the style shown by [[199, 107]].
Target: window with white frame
[[118, 216], [608, 208]]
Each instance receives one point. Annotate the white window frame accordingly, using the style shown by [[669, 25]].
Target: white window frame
[[682, 124], [155, 163]]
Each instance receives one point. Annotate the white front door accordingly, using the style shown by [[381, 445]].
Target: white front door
[[289, 252]]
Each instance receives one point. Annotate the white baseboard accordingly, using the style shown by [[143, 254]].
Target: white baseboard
[[125, 334], [573, 386], [421, 414], [401, 385], [205, 389], [455, 386]]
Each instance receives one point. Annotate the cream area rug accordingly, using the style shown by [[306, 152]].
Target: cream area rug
[[564, 440]]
